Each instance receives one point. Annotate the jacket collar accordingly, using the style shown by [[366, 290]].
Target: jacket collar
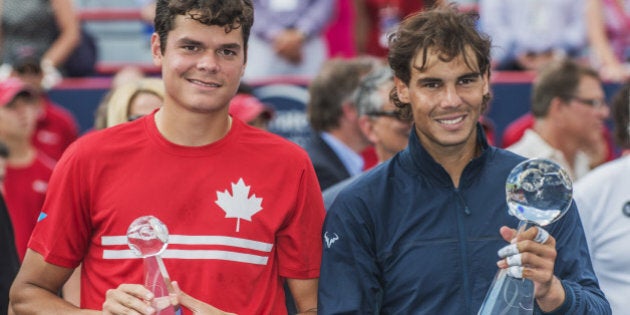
[[418, 161]]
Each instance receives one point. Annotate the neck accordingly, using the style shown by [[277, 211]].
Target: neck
[[557, 139], [352, 138], [192, 129], [454, 158], [21, 153]]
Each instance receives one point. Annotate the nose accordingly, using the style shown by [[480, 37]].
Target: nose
[[209, 62], [450, 97], [603, 111]]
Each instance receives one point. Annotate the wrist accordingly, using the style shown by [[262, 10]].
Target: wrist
[[554, 298], [309, 311]]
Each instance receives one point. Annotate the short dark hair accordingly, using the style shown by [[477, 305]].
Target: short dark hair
[[557, 79], [444, 29], [231, 14], [620, 110], [336, 83]]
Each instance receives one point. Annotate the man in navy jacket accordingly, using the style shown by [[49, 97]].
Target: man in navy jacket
[[420, 233]]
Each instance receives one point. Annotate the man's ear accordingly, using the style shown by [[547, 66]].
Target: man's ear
[[367, 128], [402, 90], [156, 51], [557, 106], [349, 111]]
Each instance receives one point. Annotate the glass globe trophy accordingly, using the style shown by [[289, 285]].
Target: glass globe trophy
[[147, 237], [538, 192]]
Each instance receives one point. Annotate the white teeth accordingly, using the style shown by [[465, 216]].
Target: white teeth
[[205, 84], [451, 121]]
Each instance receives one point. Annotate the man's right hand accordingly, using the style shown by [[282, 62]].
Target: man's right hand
[[128, 299]]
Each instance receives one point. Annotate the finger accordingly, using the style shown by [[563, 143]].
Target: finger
[[128, 299], [514, 260], [186, 300], [136, 290], [508, 250], [541, 236], [507, 233], [515, 272]]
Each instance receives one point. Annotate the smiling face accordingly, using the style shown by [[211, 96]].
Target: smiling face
[[446, 99], [201, 65]]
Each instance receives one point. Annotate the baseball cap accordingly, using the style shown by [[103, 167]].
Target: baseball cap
[[246, 107], [11, 87]]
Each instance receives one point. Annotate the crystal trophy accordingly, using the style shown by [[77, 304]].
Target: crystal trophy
[[538, 192], [147, 237]]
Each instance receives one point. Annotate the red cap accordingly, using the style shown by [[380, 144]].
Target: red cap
[[246, 107], [10, 88]]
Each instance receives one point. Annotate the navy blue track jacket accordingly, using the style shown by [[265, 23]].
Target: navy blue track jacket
[[403, 240]]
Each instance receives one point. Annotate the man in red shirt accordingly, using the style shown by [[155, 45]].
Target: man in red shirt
[[27, 171], [56, 126]]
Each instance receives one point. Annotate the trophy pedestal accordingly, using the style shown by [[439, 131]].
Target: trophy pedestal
[[508, 296]]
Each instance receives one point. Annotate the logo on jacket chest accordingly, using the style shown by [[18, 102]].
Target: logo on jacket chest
[[238, 203]]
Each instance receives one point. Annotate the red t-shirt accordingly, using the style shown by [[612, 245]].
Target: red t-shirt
[[25, 189], [243, 213], [56, 129]]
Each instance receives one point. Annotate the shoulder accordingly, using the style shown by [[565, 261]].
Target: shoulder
[[612, 173], [99, 142], [265, 144]]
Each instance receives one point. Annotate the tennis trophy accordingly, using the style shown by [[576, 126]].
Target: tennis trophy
[[538, 192], [147, 237]]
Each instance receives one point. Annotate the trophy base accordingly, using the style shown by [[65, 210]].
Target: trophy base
[[508, 296]]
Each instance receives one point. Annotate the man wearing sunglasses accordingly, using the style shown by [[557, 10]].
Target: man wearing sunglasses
[[569, 107], [379, 121]]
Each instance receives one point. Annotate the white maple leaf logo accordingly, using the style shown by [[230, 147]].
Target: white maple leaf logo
[[238, 204]]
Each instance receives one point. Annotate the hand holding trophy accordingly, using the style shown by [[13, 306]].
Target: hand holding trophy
[[147, 237], [539, 192]]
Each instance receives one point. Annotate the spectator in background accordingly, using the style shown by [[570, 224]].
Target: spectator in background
[[340, 32], [603, 199], [288, 38], [569, 106], [379, 121], [376, 18], [526, 35], [246, 107], [56, 126], [28, 170], [337, 142], [9, 264], [50, 28], [129, 101], [608, 25]]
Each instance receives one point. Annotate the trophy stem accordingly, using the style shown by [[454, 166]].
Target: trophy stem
[[157, 280], [508, 295]]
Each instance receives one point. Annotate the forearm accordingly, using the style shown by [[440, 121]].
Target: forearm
[[35, 288], [304, 293], [28, 299]]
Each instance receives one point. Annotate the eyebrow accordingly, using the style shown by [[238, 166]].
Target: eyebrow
[[464, 76], [192, 42]]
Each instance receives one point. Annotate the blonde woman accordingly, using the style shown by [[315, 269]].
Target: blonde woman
[[129, 101]]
